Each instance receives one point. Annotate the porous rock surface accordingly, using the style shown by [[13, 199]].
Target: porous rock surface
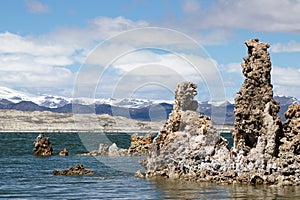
[[42, 146], [265, 149]]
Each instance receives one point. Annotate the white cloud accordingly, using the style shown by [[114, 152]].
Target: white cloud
[[233, 68], [286, 76], [217, 23], [43, 61], [16, 44], [34, 6], [291, 46], [280, 15], [97, 30], [191, 6], [131, 72], [34, 62]]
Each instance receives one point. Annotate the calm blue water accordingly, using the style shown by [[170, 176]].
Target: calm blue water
[[24, 176]]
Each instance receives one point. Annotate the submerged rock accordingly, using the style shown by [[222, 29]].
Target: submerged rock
[[78, 170], [42, 146]]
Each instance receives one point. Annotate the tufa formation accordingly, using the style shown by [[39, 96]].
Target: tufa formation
[[42, 146], [188, 145], [265, 150]]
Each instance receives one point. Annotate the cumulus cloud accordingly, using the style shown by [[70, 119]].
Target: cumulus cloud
[[45, 60], [291, 46], [34, 6], [34, 62]]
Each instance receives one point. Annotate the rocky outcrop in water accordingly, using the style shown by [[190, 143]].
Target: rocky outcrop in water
[[42, 146], [77, 170], [63, 152], [187, 145], [264, 150]]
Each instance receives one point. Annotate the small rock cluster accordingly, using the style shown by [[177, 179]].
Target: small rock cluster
[[105, 150], [42, 146], [139, 146], [265, 150], [77, 170]]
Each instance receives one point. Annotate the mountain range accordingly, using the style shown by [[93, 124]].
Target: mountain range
[[139, 109]]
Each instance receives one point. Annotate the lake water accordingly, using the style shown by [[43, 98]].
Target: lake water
[[24, 176]]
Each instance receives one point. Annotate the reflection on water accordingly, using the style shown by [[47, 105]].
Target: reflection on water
[[264, 192], [175, 189]]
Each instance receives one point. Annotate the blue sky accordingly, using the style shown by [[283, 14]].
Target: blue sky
[[46, 44]]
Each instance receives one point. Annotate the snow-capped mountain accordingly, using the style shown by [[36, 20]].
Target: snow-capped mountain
[[14, 95], [49, 101]]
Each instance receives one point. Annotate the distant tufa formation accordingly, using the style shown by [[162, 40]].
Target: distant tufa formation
[[42, 146], [265, 149], [139, 146]]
